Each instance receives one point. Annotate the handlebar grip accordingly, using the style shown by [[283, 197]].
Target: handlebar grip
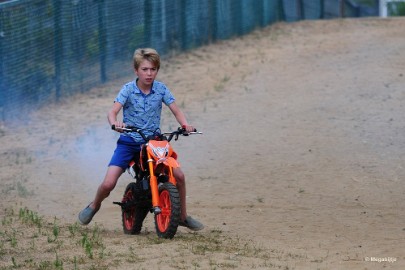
[[113, 127], [184, 128]]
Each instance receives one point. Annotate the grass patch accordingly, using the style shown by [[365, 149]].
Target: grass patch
[[31, 241]]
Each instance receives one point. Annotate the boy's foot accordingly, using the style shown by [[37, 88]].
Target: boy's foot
[[86, 215], [192, 224]]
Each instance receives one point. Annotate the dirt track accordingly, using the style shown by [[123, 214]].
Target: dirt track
[[302, 152]]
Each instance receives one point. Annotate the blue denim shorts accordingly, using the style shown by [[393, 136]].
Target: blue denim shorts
[[127, 149]]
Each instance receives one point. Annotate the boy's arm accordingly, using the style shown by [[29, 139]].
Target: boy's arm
[[180, 117], [113, 113]]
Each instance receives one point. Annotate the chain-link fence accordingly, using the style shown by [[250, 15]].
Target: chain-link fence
[[50, 49]]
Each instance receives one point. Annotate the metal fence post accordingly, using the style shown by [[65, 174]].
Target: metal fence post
[[260, 12], [148, 22], [237, 17], [280, 11], [341, 8], [183, 23], [322, 7], [300, 9], [102, 40], [2, 88], [212, 20], [58, 50]]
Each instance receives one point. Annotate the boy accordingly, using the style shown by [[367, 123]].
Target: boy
[[141, 101]]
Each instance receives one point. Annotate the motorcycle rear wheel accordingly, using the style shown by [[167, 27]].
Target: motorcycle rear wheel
[[134, 214], [167, 221]]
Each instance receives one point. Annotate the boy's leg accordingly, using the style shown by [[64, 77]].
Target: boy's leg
[[108, 184], [185, 220], [181, 187]]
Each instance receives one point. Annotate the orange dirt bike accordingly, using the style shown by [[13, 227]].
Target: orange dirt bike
[[154, 188]]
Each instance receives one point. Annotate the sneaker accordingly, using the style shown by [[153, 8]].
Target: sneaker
[[192, 224], [86, 215]]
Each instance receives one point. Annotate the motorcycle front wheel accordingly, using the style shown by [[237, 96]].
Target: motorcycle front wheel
[[168, 220]]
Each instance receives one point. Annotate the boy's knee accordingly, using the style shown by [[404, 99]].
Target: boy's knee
[[107, 187], [180, 181], [180, 178]]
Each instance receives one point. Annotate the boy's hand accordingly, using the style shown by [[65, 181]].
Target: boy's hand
[[118, 126], [189, 128]]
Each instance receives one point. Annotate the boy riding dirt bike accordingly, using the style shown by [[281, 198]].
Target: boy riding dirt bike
[[141, 101], [154, 188]]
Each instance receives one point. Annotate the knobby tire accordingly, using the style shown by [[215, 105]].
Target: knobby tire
[[134, 215], [167, 221]]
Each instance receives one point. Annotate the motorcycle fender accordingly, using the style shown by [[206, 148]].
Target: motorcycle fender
[[171, 162]]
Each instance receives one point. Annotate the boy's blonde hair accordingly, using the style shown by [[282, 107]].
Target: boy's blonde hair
[[146, 54]]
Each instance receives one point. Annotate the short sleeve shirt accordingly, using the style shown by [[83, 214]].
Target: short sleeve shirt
[[143, 111]]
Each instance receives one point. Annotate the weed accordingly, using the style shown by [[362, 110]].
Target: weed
[[58, 263], [55, 229], [102, 253], [13, 260], [196, 265], [226, 207], [44, 265], [7, 189], [87, 245], [73, 229], [13, 239], [55, 232], [133, 257], [7, 219], [155, 240], [30, 217], [96, 235], [2, 249], [221, 85], [22, 190], [32, 244]]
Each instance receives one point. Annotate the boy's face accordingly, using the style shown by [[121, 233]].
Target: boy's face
[[146, 73]]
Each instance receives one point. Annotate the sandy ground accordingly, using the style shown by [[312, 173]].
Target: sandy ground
[[302, 152]]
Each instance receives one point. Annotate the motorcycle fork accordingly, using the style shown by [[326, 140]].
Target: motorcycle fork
[[172, 179], [153, 186]]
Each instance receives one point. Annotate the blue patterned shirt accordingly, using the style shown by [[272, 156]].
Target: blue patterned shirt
[[143, 111]]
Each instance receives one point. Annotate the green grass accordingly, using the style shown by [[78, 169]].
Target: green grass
[[31, 241]]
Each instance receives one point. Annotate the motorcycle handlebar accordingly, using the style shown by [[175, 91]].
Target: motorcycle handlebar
[[130, 129], [179, 131]]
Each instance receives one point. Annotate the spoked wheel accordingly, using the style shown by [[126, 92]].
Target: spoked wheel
[[168, 220], [133, 213]]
